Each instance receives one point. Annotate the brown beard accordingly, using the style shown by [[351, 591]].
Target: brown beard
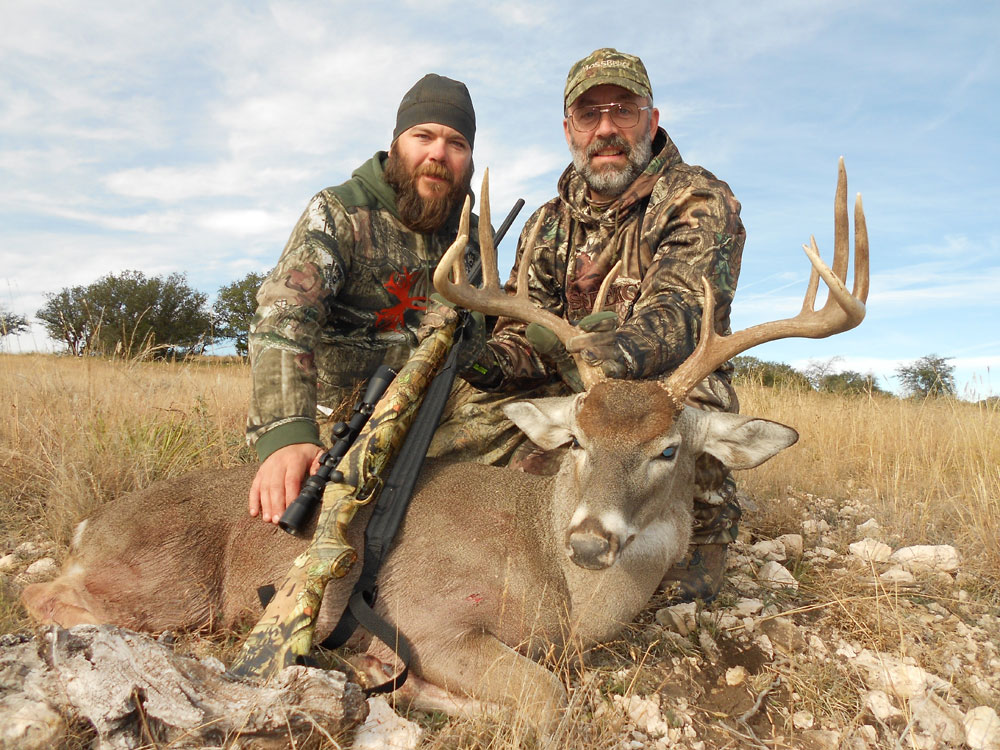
[[425, 215]]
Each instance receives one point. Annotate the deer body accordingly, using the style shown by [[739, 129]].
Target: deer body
[[491, 566]]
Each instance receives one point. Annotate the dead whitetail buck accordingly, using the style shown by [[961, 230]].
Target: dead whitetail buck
[[492, 568]]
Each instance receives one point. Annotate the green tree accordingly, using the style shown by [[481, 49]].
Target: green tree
[[928, 376], [129, 314], [851, 382], [234, 309], [772, 374], [12, 324], [66, 316]]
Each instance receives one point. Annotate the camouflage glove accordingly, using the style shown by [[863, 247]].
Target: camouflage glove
[[548, 346], [476, 363], [598, 346]]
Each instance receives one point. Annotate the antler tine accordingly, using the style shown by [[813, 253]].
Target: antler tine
[[491, 299], [602, 293], [487, 248], [842, 311]]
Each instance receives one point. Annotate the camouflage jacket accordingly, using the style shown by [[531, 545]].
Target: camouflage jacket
[[674, 224], [347, 295]]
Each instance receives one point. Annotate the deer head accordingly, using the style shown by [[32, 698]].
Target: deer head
[[633, 445]]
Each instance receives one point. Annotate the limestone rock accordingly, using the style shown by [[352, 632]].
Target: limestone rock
[[384, 729], [28, 724], [982, 729], [870, 550], [774, 575], [938, 720], [793, 543], [941, 557], [680, 618]]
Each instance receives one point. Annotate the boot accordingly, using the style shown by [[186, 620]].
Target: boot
[[698, 575]]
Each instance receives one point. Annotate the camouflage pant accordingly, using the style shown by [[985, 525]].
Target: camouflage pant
[[474, 428]]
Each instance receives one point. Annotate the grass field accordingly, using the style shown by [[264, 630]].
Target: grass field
[[78, 432]]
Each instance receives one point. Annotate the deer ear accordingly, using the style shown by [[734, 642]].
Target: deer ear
[[547, 421], [744, 442]]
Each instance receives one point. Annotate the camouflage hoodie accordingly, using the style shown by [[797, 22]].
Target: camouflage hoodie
[[674, 224], [347, 295]]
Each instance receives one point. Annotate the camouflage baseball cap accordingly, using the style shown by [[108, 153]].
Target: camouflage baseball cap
[[607, 65]]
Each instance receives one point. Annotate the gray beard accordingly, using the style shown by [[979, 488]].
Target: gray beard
[[611, 181]]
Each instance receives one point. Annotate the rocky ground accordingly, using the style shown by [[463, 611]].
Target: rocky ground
[[839, 636]]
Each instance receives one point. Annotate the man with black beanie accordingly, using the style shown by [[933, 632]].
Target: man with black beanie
[[350, 288]]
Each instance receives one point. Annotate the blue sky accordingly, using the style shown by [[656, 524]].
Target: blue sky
[[188, 136]]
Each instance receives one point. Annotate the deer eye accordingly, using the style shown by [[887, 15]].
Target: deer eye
[[669, 453], [574, 443]]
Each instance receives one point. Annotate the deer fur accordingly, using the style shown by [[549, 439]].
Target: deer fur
[[491, 570]]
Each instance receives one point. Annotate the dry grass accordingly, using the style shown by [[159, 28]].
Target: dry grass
[[930, 469], [78, 432]]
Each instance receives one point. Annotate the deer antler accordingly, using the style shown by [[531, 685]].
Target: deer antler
[[843, 310], [491, 298]]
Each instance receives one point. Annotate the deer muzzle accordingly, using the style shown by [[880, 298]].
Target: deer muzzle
[[592, 546]]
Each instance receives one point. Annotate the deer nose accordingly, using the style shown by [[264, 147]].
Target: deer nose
[[592, 547]]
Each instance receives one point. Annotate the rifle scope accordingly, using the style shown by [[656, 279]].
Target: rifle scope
[[297, 515]]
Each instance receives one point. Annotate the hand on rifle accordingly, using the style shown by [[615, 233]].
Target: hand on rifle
[[279, 479], [476, 362]]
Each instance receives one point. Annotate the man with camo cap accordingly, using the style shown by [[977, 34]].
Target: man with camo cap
[[350, 288], [629, 197]]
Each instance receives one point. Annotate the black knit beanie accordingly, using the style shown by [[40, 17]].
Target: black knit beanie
[[437, 99]]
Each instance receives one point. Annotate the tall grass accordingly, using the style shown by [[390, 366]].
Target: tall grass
[[930, 469], [76, 432]]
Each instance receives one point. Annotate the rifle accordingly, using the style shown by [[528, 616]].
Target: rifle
[[284, 634]]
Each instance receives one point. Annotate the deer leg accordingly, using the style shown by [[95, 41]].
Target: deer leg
[[416, 693], [479, 666]]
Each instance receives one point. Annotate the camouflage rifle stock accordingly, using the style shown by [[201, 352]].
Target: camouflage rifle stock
[[285, 630]]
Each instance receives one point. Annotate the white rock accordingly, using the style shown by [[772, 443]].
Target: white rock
[[803, 719], [869, 526], [816, 646], [897, 575], [28, 550], [793, 544], [774, 575], [938, 556], [886, 672], [765, 645], [870, 550], [681, 618], [9, 563], [880, 705], [825, 552], [43, 568], [747, 607], [812, 527], [846, 650], [822, 739], [385, 729], [982, 729], [644, 713], [938, 720], [736, 676], [28, 724], [769, 549]]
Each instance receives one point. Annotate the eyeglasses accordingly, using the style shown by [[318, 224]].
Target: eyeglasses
[[625, 115]]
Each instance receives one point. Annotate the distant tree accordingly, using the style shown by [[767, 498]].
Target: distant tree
[[67, 317], [12, 324], [850, 382], [819, 369], [234, 309], [129, 314], [772, 374], [928, 376]]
